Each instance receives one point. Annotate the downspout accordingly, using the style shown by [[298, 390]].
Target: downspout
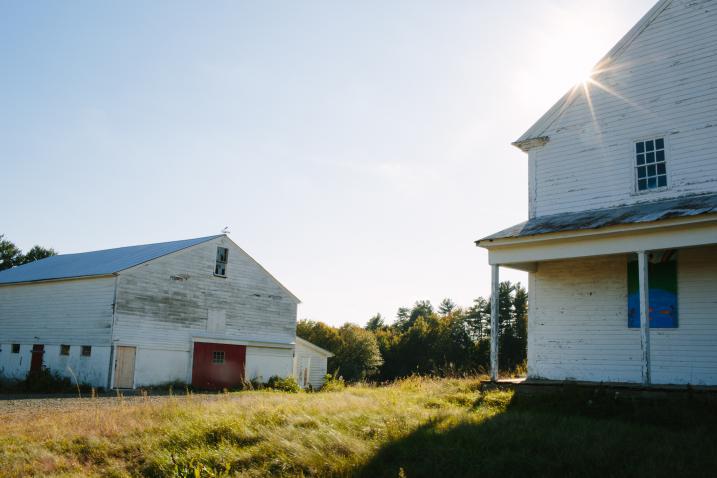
[[111, 371]]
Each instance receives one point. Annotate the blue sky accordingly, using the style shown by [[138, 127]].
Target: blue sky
[[355, 149]]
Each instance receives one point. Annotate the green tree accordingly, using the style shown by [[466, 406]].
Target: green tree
[[375, 323], [446, 306], [10, 254], [319, 333], [359, 356], [37, 253]]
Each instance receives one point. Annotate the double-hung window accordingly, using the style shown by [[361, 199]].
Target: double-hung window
[[650, 164]]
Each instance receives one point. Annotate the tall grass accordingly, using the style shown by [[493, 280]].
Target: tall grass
[[412, 428]]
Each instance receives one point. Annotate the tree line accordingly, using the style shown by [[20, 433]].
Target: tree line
[[12, 256], [427, 340]]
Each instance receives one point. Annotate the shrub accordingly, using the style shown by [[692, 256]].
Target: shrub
[[283, 384], [47, 381], [333, 383]]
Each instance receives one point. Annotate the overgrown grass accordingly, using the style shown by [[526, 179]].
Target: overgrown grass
[[415, 427]]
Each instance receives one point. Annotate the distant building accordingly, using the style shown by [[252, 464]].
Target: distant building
[[621, 240], [197, 311]]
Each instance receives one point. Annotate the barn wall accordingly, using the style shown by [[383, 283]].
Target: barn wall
[[92, 370], [263, 363], [166, 303], [578, 323], [317, 372], [665, 86], [76, 312]]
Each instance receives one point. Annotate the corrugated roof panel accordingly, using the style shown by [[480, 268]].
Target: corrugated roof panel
[[94, 263], [594, 219]]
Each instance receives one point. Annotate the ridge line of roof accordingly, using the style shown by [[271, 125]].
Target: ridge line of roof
[[538, 128]]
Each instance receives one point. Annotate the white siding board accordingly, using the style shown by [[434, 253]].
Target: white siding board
[[578, 323], [317, 371], [74, 312], [668, 76]]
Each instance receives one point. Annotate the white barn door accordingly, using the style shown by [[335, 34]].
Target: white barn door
[[304, 371]]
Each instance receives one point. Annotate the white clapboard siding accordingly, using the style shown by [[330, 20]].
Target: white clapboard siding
[[166, 302], [664, 84], [317, 369], [262, 363], [578, 322], [76, 312]]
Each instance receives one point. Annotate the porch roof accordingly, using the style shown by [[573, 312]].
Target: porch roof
[[597, 218]]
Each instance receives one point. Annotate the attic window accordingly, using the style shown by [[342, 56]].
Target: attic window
[[650, 164], [64, 350], [220, 268], [86, 350]]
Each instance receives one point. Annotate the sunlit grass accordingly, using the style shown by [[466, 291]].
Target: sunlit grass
[[417, 427]]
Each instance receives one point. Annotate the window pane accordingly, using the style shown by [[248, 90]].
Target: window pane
[[640, 147], [650, 157], [641, 172], [660, 143], [650, 145], [661, 168], [642, 184], [662, 181], [651, 183], [640, 159], [660, 155], [651, 170]]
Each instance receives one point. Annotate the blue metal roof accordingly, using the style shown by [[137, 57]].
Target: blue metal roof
[[94, 263]]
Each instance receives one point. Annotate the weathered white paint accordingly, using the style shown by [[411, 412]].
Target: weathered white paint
[[314, 358], [163, 316], [577, 326], [92, 370], [494, 322], [664, 84], [263, 363], [644, 294], [52, 313]]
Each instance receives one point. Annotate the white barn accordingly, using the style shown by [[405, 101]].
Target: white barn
[[621, 237], [198, 311]]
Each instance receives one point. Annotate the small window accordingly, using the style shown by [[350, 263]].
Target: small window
[[218, 356], [64, 350], [16, 348], [650, 164], [86, 350], [220, 268]]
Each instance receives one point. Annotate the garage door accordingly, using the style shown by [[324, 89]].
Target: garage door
[[217, 366]]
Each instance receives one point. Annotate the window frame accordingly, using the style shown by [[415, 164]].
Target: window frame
[[668, 163], [217, 355], [217, 262]]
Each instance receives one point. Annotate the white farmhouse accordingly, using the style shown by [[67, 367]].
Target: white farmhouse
[[198, 311], [621, 240]]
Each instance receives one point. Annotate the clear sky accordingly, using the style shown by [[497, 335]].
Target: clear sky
[[355, 149]]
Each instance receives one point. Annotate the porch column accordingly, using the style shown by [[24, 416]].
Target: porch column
[[495, 291], [642, 264]]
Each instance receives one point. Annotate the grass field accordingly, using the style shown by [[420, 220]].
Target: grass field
[[414, 428]]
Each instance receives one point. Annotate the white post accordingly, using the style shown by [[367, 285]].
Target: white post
[[494, 311], [642, 265]]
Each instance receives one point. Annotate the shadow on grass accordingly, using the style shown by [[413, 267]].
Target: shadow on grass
[[570, 433]]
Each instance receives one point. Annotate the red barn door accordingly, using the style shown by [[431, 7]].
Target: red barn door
[[38, 351], [217, 366]]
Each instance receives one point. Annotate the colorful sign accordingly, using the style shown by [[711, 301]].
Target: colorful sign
[[662, 284]]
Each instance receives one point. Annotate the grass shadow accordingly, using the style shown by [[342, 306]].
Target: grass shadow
[[582, 433]]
